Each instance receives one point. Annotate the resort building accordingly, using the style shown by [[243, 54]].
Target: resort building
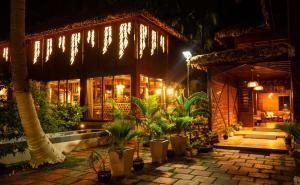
[[90, 62]]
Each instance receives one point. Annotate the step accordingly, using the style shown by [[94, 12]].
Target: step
[[252, 149], [265, 129], [260, 136]]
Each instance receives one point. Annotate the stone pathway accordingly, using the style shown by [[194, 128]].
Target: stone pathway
[[221, 167]]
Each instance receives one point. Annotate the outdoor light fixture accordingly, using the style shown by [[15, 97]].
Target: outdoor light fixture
[[187, 55], [252, 83], [82, 126]]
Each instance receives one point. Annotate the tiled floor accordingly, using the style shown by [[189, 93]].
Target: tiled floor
[[221, 167]]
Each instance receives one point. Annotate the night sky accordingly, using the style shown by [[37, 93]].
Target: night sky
[[47, 14]]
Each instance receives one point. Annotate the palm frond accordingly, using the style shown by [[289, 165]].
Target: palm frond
[[140, 104], [194, 98], [203, 111]]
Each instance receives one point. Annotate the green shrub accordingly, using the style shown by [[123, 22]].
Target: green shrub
[[67, 116]]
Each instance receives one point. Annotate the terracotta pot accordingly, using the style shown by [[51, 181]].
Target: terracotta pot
[[159, 150], [121, 163], [179, 144]]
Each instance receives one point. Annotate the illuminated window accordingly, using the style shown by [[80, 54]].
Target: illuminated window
[[75, 40], [122, 88], [49, 49], [94, 98], [107, 38], [5, 53], [153, 42], [37, 51], [162, 43], [61, 43], [91, 38], [143, 37], [125, 30], [64, 91]]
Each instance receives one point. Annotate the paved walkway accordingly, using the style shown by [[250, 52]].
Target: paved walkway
[[221, 167]]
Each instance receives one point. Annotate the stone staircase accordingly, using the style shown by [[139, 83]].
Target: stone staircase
[[257, 139]]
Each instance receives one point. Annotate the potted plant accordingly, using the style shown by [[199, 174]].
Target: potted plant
[[287, 127], [226, 132], [121, 157], [97, 161], [181, 116], [179, 141], [138, 162], [155, 125], [295, 131]]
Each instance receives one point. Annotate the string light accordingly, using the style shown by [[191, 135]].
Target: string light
[[107, 38], [125, 30], [61, 43], [91, 37], [143, 36], [75, 40], [49, 49], [37, 51], [153, 42], [5, 53], [162, 43]]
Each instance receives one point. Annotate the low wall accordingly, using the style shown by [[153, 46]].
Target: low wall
[[65, 142]]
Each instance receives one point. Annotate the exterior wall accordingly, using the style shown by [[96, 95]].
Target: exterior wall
[[91, 62], [223, 97]]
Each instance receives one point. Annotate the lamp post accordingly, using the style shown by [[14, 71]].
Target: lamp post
[[187, 55]]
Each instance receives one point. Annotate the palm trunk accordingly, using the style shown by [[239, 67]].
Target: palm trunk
[[41, 149]]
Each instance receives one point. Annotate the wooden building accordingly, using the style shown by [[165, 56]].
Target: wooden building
[[87, 63], [251, 83]]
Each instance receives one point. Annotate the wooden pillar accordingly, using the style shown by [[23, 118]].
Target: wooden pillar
[[294, 39], [83, 89]]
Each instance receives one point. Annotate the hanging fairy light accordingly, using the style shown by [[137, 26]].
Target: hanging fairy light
[[61, 43], [125, 30], [162, 43], [143, 37], [37, 51], [91, 38], [49, 49], [5, 53], [153, 42], [75, 40], [107, 38]]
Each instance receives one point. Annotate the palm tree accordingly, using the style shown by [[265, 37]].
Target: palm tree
[[41, 149]]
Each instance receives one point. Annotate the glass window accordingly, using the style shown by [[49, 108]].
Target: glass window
[[284, 103], [122, 88], [53, 91], [64, 91], [94, 98]]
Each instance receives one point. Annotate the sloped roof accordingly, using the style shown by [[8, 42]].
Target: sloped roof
[[242, 56], [105, 20], [111, 19]]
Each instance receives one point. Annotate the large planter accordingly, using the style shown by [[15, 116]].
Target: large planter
[[121, 163], [159, 150], [179, 144], [297, 155]]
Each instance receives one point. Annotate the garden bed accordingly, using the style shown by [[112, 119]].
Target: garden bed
[[64, 141]]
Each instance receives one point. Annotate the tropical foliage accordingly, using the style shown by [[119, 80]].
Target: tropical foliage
[[122, 127], [181, 113], [153, 120]]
